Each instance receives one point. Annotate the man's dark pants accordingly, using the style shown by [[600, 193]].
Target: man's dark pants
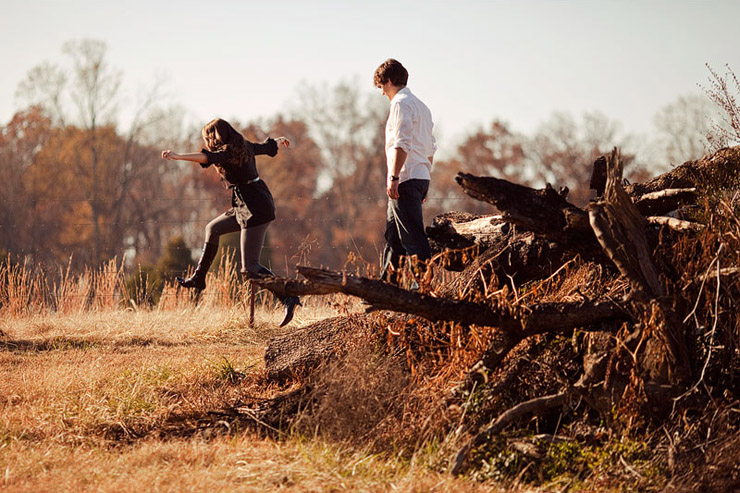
[[404, 226]]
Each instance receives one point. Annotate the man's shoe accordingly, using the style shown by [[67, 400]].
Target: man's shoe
[[290, 303]]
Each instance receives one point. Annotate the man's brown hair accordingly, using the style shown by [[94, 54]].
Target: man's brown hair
[[391, 70]]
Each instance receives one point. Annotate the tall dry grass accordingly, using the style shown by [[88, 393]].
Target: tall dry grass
[[26, 290], [100, 393]]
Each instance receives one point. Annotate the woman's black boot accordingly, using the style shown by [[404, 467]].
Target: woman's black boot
[[198, 279], [290, 302]]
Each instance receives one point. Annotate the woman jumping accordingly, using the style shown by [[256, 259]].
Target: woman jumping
[[253, 208]]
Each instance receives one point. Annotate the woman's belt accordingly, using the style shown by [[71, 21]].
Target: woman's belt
[[247, 182]]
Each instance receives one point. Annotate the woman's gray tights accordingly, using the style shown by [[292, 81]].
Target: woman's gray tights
[[250, 242]]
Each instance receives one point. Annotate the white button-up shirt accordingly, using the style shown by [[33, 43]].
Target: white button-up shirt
[[409, 127]]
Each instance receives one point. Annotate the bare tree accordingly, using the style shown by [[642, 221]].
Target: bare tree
[[115, 179], [682, 127], [563, 151], [348, 127]]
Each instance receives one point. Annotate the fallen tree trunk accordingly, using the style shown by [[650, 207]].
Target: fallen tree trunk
[[720, 168], [298, 351], [544, 212], [302, 350], [519, 321], [493, 248]]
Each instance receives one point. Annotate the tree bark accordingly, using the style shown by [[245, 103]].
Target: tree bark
[[296, 352], [544, 212], [517, 321], [485, 246], [620, 228], [720, 168]]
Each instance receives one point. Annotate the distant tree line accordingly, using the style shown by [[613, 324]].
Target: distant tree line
[[78, 189]]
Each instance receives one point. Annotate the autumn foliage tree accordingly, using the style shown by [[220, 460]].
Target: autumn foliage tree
[[495, 151], [23, 213], [92, 187], [348, 207], [561, 152]]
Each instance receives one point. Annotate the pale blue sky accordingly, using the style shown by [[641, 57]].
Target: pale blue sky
[[470, 61]]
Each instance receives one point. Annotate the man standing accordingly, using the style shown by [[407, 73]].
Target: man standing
[[409, 150]]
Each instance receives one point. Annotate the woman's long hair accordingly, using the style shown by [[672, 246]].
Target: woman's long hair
[[219, 135]]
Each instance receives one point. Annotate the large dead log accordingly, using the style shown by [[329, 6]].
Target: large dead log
[[544, 212], [493, 248], [720, 168], [298, 351], [518, 321]]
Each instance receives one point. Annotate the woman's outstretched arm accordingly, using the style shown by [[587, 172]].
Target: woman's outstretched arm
[[270, 146], [196, 157]]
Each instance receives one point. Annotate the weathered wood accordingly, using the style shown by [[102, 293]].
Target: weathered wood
[[620, 229], [299, 351], [664, 201], [388, 297], [518, 321], [720, 168], [676, 224], [543, 211], [289, 287], [523, 258], [296, 352], [485, 247]]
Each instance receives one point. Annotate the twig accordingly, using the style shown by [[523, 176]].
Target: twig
[[714, 326], [528, 407], [679, 225]]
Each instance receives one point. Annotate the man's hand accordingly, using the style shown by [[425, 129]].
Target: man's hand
[[283, 141], [392, 189]]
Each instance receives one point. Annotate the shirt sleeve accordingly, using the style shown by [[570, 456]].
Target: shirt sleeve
[[269, 147], [403, 126], [218, 157]]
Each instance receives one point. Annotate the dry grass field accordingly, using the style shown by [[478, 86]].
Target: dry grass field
[[108, 398]]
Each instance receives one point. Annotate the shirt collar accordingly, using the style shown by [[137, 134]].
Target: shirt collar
[[404, 90]]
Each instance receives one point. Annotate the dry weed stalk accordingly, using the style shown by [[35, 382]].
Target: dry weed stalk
[[723, 91], [22, 289]]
